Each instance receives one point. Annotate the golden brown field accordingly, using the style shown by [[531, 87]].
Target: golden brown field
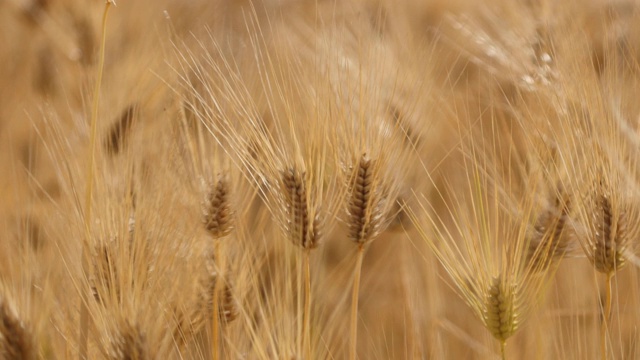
[[358, 179]]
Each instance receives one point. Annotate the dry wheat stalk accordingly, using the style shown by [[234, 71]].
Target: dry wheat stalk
[[84, 321], [104, 283]]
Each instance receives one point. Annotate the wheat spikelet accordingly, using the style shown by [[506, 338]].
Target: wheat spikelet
[[609, 234], [217, 216], [607, 220], [500, 314], [363, 220], [303, 231], [227, 306], [548, 242], [16, 341]]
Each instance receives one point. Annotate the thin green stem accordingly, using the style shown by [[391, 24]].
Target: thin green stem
[[354, 304]]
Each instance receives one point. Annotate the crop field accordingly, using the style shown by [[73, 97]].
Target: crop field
[[319, 179]]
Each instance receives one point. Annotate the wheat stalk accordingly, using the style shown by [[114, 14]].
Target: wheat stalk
[[488, 250], [217, 219], [84, 311]]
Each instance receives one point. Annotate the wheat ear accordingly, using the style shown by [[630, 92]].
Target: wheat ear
[[15, 339], [226, 307], [303, 231], [500, 316], [548, 243]]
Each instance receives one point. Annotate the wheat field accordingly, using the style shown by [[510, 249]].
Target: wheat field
[[292, 179]]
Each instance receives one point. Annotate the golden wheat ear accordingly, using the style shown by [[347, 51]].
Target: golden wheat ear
[[218, 213], [500, 315], [549, 241], [227, 309], [303, 230], [362, 220]]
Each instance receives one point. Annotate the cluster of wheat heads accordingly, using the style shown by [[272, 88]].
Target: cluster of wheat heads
[[318, 180]]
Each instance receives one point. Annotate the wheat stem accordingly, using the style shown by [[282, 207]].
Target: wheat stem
[[503, 349], [354, 304], [307, 305], [84, 311], [215, 340], [605, 317]]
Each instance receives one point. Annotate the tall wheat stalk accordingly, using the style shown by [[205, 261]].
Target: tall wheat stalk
[[368, 214], [488, 251], [217, 219], [599, 152], [84, 311]]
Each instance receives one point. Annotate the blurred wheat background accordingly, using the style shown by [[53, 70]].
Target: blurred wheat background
[[292, 179]]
